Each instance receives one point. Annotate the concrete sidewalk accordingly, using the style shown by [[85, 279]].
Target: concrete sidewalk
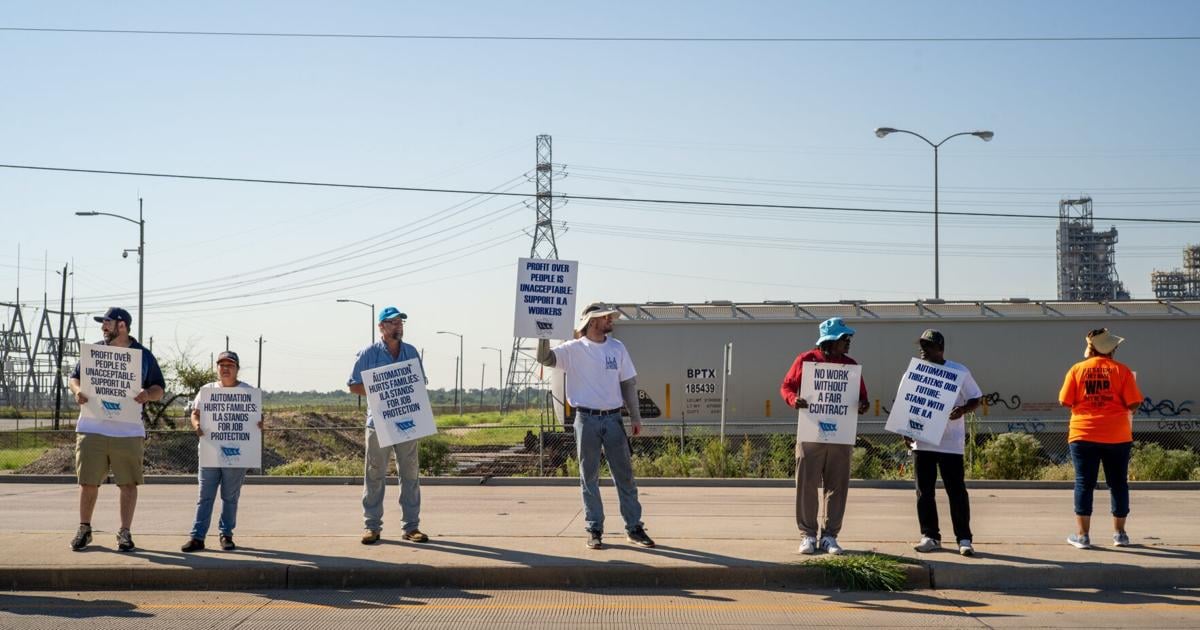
[[306, 536]]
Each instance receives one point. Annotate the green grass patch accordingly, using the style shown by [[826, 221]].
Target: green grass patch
[[323, 468], [14, 458], [865, 572]]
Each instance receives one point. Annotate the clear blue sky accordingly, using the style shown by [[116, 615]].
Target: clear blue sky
[[700, 121]]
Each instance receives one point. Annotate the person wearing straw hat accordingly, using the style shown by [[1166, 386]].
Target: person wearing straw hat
[[819, 464], [1102, 394], [600, 379]]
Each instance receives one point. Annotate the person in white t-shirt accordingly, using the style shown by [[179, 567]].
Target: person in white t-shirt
[[228, 480], [600, 379], [946, 456]]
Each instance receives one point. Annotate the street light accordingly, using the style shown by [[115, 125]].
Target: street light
[[371, 331], [986, 136], [499, 372], [458, 377], [141, 252]]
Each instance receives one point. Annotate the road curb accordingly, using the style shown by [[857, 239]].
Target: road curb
[[275, 576]]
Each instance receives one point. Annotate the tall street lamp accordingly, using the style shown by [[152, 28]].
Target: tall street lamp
[[141, 252], [459, 375], [986, 136], [371, 331], [499, 373]]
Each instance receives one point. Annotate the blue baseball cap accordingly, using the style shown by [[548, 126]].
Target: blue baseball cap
[[390, 312], [833, 329], [229, 355], [116, 313]]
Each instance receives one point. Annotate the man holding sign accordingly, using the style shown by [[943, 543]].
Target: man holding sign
[[820, 463], [600, 379], [223, 417], [389, 350], [111, 436], [946, 455]]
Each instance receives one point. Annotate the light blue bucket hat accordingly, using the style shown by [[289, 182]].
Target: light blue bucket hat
[[833, 329]]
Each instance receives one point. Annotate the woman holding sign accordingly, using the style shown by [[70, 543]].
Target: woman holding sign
[[227, 480], [822, 464], [1102, 394]]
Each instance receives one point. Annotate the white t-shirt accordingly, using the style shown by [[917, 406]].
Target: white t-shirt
[[594, 371], [955, 437]]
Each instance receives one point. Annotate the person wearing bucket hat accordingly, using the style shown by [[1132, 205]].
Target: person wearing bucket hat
[[103, 445], [946, 456], [819, 464], [600, 379], [228, 480], [1102, 394], [388, 350]]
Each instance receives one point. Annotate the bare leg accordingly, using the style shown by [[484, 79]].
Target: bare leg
[[1084, 524], [87, 502], [1119, 524], [128, 503]]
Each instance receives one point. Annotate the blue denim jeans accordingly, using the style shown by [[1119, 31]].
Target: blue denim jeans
[[593, 434], [1088, 456], [230, 482], [375, 468]]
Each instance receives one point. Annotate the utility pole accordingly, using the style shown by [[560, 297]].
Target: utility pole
[[226, 343], [481, 373], [260, 343], [62, 327]]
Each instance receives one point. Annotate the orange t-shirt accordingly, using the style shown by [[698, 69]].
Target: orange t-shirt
[[1099, 391]]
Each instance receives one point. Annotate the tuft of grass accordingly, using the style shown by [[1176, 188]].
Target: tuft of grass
[[863, 572], [326, 468]]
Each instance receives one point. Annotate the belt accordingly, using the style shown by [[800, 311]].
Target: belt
[[597, 412]]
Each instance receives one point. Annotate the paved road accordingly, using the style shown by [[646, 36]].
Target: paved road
[[460, 609]]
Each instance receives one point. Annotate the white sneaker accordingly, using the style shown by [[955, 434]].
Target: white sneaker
[[831, 546], [808, 545], [927, 544], [1080, 542], [965, 547]]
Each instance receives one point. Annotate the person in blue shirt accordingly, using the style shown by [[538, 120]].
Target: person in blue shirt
[[388, 350]]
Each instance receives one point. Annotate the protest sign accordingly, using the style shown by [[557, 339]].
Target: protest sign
[[398, 402], [229, 418], [110, 377], [831, 390], [545, 298], [924, 400]]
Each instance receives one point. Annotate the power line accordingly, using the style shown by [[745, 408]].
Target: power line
[[564, 197], [604, 38]]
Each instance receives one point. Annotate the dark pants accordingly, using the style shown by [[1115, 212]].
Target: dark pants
[[927, 464], [1087, 457]]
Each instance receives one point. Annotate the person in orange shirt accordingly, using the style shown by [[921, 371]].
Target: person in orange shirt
[[1102, 394]]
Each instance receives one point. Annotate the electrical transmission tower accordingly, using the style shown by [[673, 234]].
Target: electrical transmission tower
[[523, 368]]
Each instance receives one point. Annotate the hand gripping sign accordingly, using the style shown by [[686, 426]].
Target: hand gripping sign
[[831, 390], [545, 298], [110, 377], [923, 401], [398, 402], [229, 418]]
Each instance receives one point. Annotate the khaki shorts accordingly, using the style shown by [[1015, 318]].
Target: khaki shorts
[[96, 454]]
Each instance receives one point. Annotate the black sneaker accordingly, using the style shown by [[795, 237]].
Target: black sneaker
[[638, 537], [194, 544], [124, 540], [82, 538], [227, 542], [593, 541]]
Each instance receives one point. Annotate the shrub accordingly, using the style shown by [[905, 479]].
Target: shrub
[[1057, 472], [865, 465], [675, 463], [866, 572], [319, 468], [717, 461], [781, 455], [1011, 456], [434, 455], [1151, 462]]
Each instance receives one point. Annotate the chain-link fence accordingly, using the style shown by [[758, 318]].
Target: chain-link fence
[[308, 443]]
